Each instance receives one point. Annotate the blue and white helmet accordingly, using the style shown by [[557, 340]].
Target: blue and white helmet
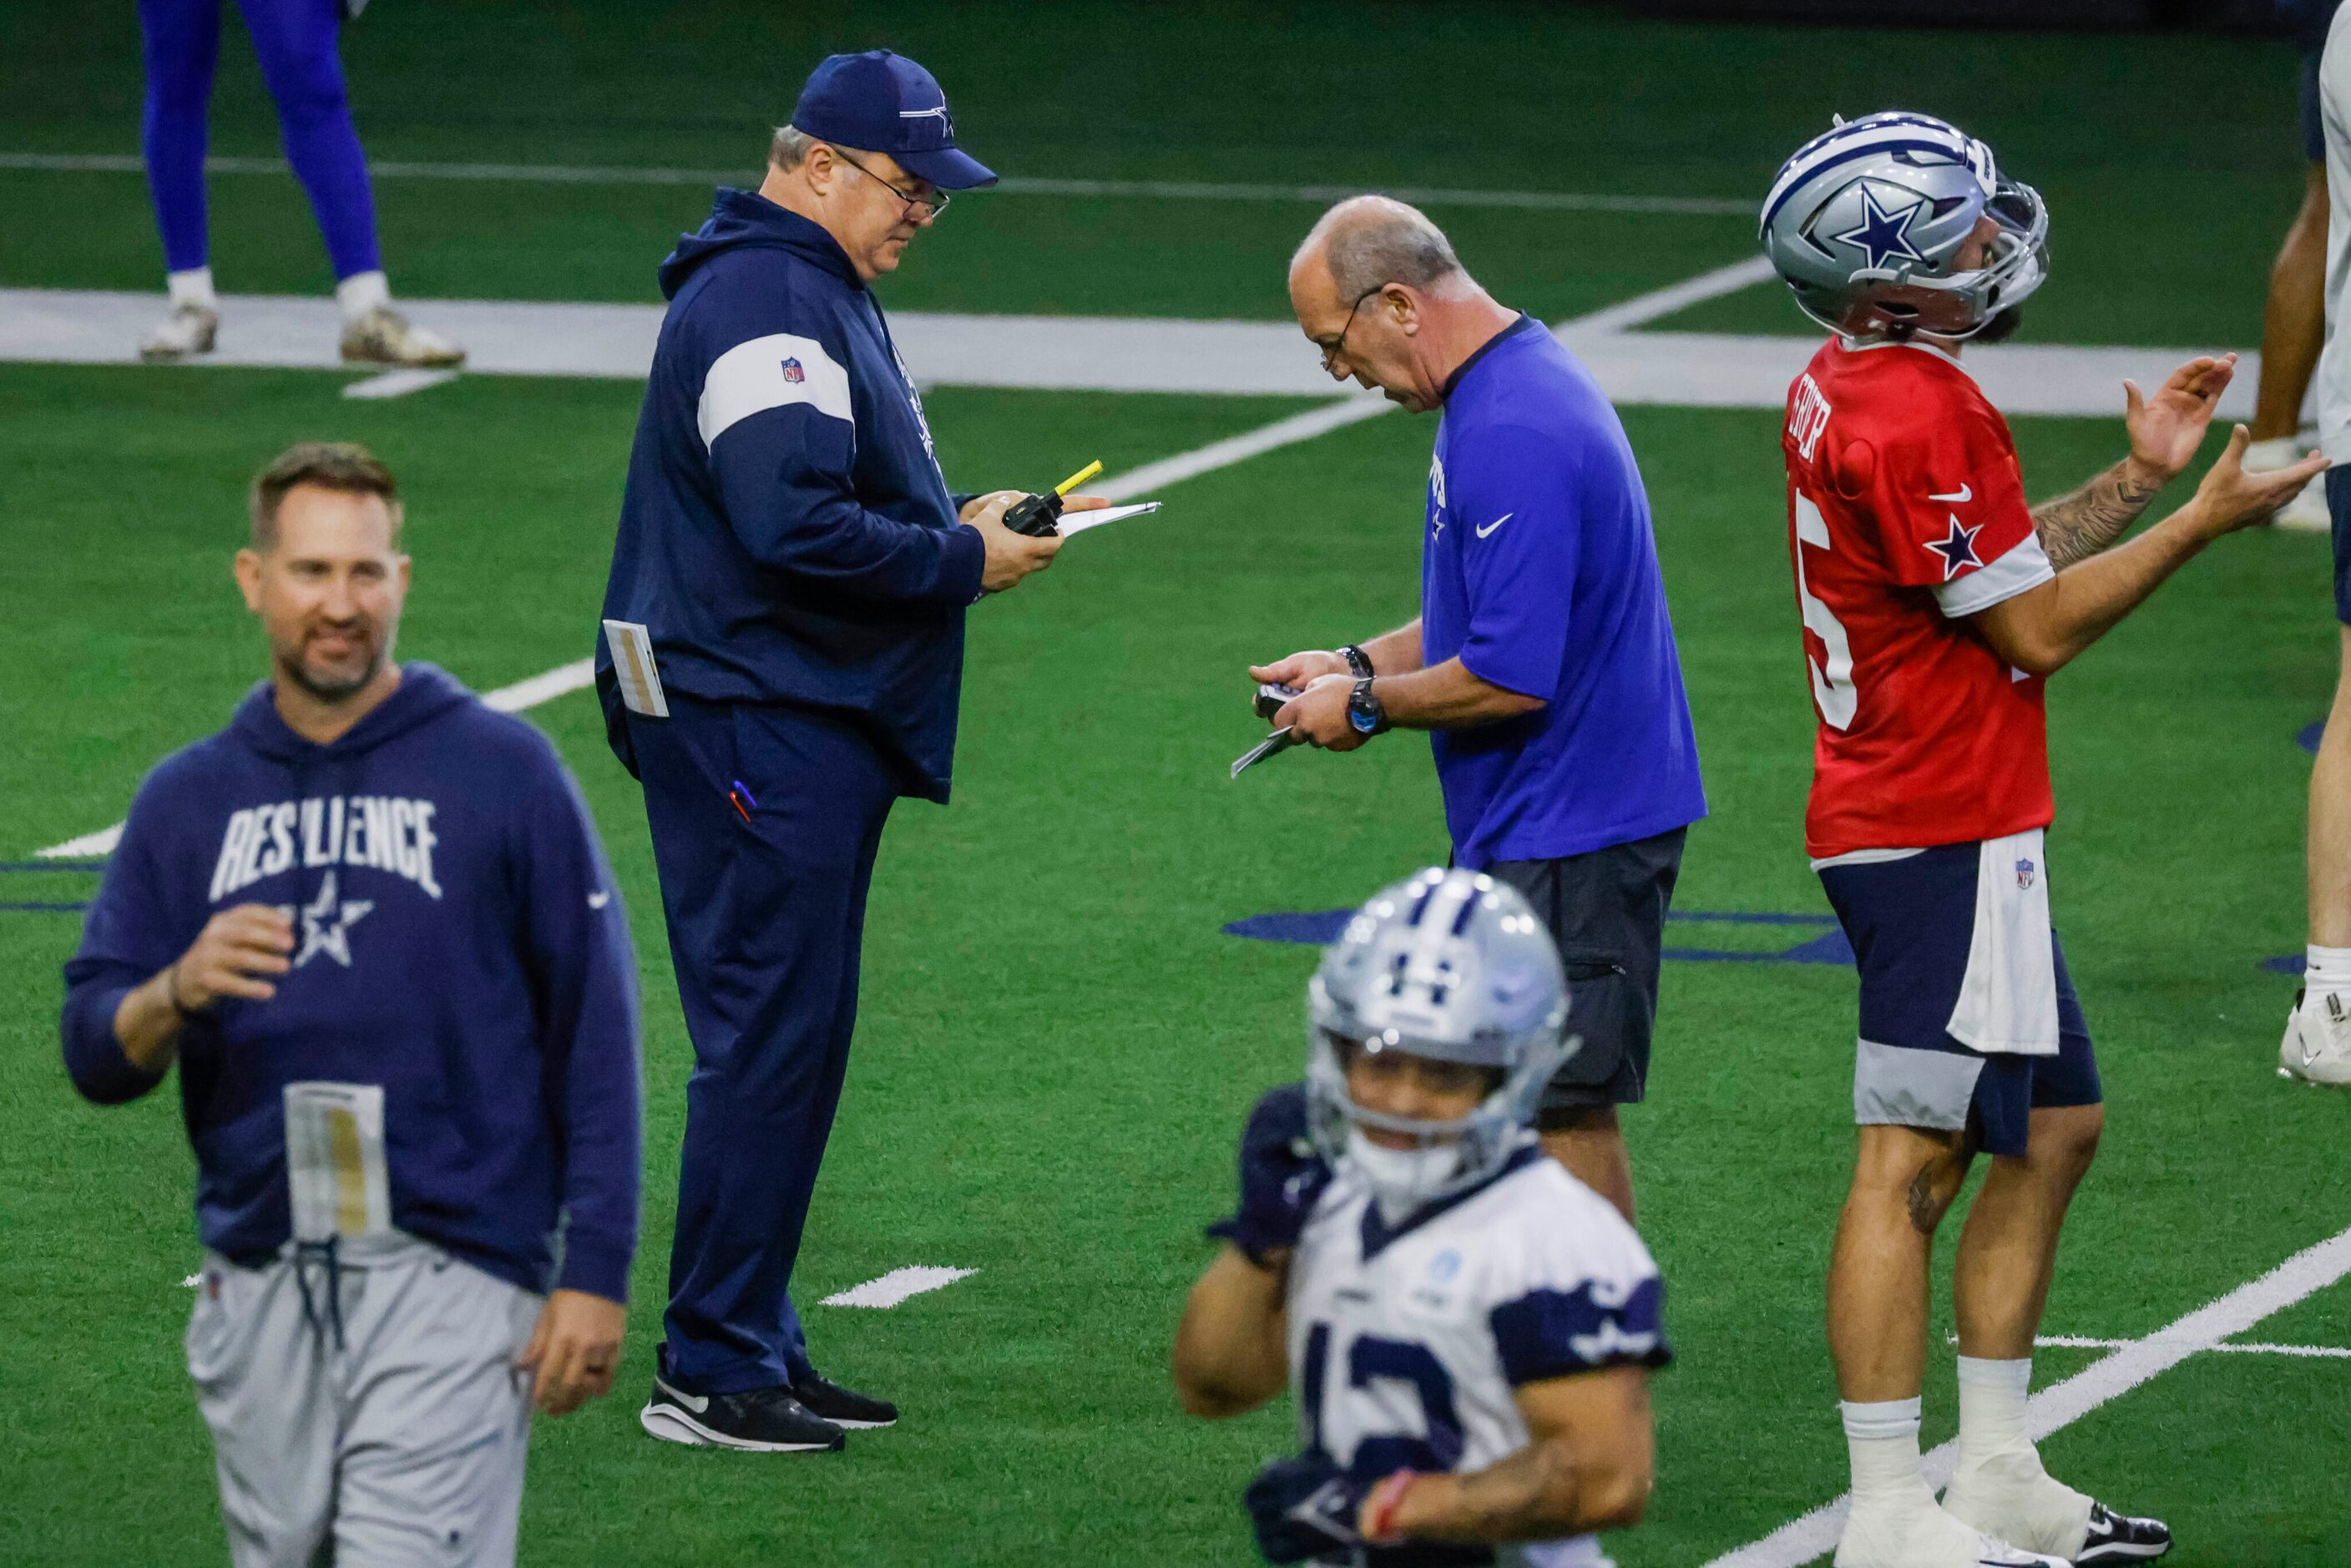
[[1451, 966], [1865, 222]]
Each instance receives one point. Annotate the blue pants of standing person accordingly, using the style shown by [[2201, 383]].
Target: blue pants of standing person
[[765, 906], [295, 40]]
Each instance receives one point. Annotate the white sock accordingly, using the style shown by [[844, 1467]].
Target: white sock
[[362, 292], [1991, 1408], [1883, 1439], [2329, 970], [2277, 452], [193, 286]]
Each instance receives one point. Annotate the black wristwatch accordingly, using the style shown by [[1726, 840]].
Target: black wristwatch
[[1364, 710], [1359, 664]]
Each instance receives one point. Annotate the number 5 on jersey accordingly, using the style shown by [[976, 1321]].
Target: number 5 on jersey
[[1833, 692]]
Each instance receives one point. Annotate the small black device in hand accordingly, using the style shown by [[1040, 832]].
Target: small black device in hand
[[1271, 698], [1039, 516]]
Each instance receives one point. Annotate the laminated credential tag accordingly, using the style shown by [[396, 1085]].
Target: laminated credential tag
[[334, 1160], [632, 663]]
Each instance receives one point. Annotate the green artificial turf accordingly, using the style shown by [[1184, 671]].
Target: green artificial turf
[[1058, 1041]]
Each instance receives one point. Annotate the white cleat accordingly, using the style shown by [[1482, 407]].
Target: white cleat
[[190, 329], [384, 337], [1928, 1537], [2317, 1044], [2306, 513]]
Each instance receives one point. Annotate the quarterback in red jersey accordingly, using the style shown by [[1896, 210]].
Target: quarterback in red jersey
[[1936, 602]]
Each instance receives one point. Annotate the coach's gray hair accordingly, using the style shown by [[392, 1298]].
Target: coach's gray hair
[[790, 147], [1368, 241]]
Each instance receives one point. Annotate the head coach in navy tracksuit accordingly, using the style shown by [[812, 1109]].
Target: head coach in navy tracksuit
[[1543, 661], [793, 569]]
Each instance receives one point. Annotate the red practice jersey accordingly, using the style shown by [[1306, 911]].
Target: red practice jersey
[[1905, 515]]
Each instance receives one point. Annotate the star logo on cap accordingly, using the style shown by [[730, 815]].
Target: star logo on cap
[[1883, 235], [1957, 549]]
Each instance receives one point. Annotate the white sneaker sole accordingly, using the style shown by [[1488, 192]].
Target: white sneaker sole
[[672, 1425]]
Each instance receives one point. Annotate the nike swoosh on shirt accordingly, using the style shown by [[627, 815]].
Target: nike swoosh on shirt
[[599, 900], [1962, 494], [1496, 523]]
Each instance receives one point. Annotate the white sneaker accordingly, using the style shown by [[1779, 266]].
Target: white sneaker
[[188, 330], [1925, 1536], [2307, 512], [384, 337], [2317, 1044]]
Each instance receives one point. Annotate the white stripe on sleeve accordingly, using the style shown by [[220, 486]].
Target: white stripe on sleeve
[[752, 377], [2025, 565]]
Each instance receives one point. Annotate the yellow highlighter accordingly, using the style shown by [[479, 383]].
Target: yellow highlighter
[[1039, 516]]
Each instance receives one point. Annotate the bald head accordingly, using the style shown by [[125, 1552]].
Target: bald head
[[1367, 241]]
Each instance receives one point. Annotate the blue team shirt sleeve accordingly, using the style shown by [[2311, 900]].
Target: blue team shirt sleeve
[[1591, 1326], [124, 941], [584, 971], [1514, 498], [778, 414]]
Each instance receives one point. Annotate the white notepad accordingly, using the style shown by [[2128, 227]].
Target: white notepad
[[632, 663]]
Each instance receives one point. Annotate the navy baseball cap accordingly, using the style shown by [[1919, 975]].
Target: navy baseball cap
[[882, 102]]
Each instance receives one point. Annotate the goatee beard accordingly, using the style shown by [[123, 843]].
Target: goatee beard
[[335, 691], [2002, 326]]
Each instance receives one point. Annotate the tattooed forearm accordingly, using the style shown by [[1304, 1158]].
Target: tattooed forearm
[[2077, 527]]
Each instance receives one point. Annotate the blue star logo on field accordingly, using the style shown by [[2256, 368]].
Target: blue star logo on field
[[1957, 549], [792, 372], [326, 923], [1883, 235]]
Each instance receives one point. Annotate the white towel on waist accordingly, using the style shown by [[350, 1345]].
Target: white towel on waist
[[2008, 1002]]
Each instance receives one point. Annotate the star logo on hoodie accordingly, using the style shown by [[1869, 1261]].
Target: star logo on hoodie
[[326, 923]]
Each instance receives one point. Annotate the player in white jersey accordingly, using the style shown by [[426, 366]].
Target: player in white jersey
[[1467, 1329]]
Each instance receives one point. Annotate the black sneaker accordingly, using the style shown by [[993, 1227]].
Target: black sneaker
[[844, 1407], [2118, 1538], [758, 1421]]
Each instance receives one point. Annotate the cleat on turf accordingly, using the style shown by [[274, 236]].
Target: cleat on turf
[[2317, 1044], [757, 1421], [2118, 1538], [189, 330], [844, 1407], [384, 337]]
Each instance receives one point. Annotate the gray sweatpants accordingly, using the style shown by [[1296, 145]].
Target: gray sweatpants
[[368, 1414]]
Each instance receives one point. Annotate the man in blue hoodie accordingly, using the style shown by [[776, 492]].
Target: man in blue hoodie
[[371, 922], [782, 658]]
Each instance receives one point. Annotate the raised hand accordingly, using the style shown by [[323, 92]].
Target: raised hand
[[2166, 429], [2232, 499]]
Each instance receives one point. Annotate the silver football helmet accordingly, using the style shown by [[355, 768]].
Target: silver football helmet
[[1865, 223], [1452, 966]]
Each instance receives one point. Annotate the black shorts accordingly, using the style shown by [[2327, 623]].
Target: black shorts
[[2338, 512], [1606, 910]]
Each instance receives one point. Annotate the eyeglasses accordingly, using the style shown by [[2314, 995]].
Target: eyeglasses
[[1336, 346], [935, 203]]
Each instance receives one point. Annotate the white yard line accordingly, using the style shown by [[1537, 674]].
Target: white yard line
[[897, 1285], [398, 383], [2061, 1404], [1010, 185]]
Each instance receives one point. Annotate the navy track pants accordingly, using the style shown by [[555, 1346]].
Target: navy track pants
[[766, 916], [297, 42]]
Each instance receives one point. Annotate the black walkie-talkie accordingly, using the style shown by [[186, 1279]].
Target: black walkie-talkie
[[1040, 516]]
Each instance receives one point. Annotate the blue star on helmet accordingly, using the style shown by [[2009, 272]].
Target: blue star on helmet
[[1883, 235], [1957, 549]]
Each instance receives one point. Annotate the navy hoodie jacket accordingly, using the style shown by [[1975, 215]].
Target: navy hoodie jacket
[[458, 941], [787, 535]]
